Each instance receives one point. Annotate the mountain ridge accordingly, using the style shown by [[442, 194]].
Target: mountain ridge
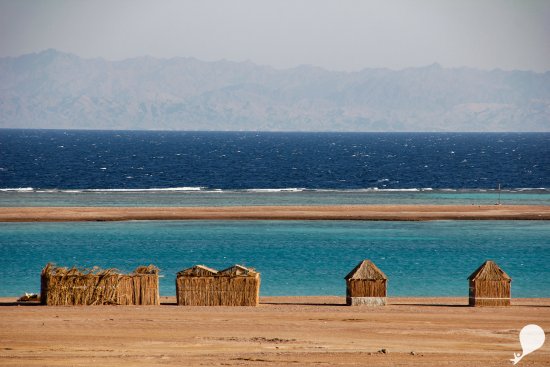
[[52, 89]]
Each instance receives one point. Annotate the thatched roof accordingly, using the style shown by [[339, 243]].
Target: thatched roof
[[489, 270], [237, 270], [366, 270], [198, 271], [151, 269], [52, 269]]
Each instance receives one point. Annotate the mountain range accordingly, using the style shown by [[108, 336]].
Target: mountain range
[[52, 89]]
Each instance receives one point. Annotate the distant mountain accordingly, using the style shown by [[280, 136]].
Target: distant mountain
[[52, 89]]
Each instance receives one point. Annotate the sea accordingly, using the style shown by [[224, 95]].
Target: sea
[[153, 168]]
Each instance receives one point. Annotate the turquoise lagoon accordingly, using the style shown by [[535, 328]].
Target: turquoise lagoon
[[294, 257]]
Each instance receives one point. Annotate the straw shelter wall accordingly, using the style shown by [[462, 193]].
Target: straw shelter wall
[[63, 286], [489, 285], [366, 288], [227, 288], [490, 293]]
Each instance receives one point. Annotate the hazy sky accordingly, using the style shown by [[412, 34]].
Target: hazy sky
[[337, 35]]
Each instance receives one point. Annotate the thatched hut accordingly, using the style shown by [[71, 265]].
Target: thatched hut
[[490, 286], [366, 285], [64, 286], [203, 286]]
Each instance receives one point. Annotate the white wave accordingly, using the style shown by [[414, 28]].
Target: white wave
[[184, 188], [399, 190], [18, 189], [73, 191], [289, 189], [532, 189], [276, 190], [371, 190]]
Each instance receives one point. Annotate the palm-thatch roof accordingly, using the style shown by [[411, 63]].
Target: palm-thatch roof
[[52, 270], [366, 270], [151, 269], [198, 271], [489, 270], [237, 270]]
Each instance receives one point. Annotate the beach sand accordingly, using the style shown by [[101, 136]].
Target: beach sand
[[282, 331], [336, 212]]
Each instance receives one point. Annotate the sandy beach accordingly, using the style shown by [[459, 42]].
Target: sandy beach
[[282, 331], [336, 212]]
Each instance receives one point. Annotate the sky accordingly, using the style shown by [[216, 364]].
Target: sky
[[344, 35]]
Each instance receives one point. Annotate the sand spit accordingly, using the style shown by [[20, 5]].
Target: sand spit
[[336, 212]]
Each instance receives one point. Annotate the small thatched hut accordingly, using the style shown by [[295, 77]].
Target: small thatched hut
[[63, 286], [203, 286], [490, 286], [366, 285]]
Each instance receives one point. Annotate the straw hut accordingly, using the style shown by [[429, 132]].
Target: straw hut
[[64, 286], [366, 285], [490, 286], [203, 286]]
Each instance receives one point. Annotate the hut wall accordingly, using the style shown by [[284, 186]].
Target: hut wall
[[366, 288], [366, 292], [94, 289], [218, 290], [490, 293]]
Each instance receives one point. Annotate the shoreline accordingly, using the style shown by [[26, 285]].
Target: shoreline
[[302, 331], [325, 212], [319, 300]]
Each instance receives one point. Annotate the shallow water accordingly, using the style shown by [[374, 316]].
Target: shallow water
[[294, 258], [239, 198]]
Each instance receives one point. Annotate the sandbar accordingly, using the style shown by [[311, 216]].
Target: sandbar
[[282, 331], [334, 212]]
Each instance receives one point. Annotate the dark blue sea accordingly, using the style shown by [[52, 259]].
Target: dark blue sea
[[90, 160], [116, 168]]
